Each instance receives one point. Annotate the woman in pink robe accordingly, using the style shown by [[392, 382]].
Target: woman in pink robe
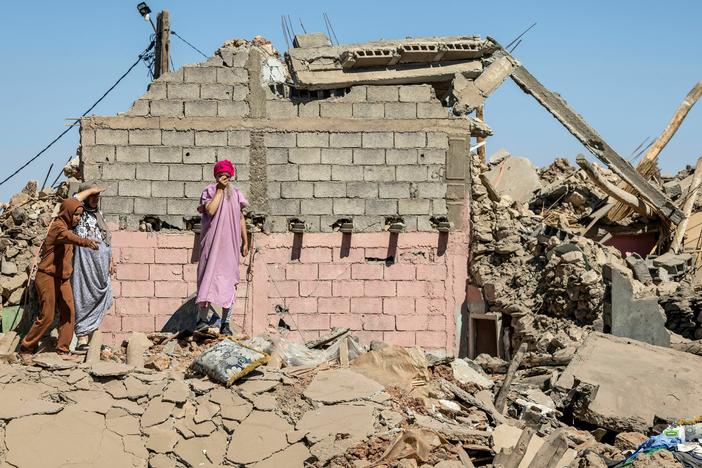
[[222, 241]]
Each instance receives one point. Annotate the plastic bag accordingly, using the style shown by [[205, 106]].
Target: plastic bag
[[295, 354], [228, 361]]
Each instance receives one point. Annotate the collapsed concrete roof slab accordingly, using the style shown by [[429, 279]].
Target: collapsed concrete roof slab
[[420, 60], [633, 382]]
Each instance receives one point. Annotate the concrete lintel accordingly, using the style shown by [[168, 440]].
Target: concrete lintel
[[453, 127]]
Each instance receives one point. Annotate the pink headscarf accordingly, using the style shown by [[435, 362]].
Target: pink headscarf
[[224, 166]]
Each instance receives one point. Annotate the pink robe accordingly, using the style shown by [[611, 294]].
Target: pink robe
[[220, 248]]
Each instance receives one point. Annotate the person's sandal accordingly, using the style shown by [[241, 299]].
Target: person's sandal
[[225, 330], [82, 348]]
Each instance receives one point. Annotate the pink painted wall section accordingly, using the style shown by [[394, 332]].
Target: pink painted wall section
[[323, 283]]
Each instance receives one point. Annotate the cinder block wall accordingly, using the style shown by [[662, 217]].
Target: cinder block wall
[[367, 153]]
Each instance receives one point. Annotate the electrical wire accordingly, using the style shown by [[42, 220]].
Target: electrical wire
[[32, 159], [192, 46]]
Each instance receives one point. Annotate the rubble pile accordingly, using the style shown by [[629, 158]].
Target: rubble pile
[[388, 407], [683, 310], [527, 266], [23, 224], [24, 221]]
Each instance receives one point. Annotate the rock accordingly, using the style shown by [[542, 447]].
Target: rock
[[202, 386], [159, 362], [202, 451], [572, 257], [293, 456], [137, 345], [8, 268], [135, 388], [156, 412], [341, 385], [9, 284], [14, 406], [161, 440], [410, 463], [109, 369], [116, 389], [161, 461], [353, 421], [264, 402], [261, 435], [92, 401], [257, 386], [176, 392], [205, 412], [53, 362], [516, 177], [125, 425], [465, 374], [19, 216], [236, 413], [70, 438], [635, 381], [450, 406], [629, 440], [449, 464]]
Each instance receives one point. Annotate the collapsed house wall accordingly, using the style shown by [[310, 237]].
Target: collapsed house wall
[[371, 154]]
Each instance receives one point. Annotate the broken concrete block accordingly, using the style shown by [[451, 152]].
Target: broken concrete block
[[157, 412], [59, 435], [109, 369], [176, 392], [354, 421], [639, 319], [633, 382], [341, 385], [137, 345], [295, 455], [505, 437], [202, 451], [515, 176], [629, 440], [639, 267], [94, 348], [465, 374], [53, 362], [261, 435]]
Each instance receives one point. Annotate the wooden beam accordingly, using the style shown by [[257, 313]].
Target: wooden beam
[[551, 451], [647, 166], [612, 190], [683, 109], [480, 114], [471, 400], [163, 44], [511, 458], [690, 199], [587, 135], [501, 399]]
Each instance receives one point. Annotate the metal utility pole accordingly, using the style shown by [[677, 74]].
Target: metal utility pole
[[163, 44]]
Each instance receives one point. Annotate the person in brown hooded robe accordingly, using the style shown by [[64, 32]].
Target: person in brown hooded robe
[[52, 281]]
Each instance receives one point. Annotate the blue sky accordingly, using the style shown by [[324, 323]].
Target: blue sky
[[624, 65]]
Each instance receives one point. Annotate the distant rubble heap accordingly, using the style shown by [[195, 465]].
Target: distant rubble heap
[[537, 273], [23, 224]]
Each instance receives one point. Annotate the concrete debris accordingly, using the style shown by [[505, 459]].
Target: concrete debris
[[616, 369], [466, 374], [515, 177], [329, 416]]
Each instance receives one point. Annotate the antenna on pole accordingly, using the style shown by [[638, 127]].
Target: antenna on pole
[[285, 31], [327, 20], [520, 36]]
